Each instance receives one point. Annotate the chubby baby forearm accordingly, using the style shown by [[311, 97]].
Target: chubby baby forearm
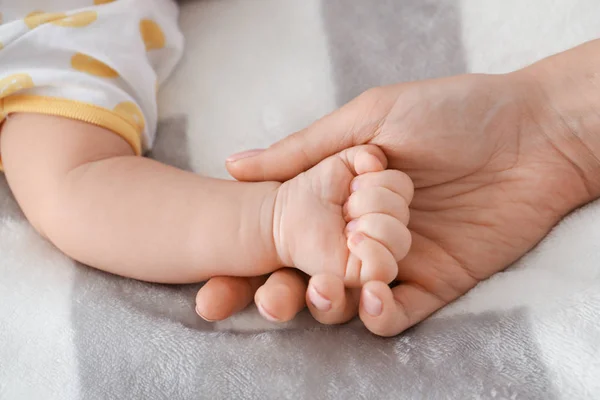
[[133, 216], [138, 218]]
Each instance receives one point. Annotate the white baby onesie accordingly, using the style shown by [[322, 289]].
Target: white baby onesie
[[97, 61]]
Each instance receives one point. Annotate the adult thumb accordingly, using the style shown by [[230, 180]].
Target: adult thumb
[[354, 124]]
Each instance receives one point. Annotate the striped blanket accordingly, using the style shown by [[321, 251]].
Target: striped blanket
[[255, 71]]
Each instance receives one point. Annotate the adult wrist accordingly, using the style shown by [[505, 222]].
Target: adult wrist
[[566, 89]]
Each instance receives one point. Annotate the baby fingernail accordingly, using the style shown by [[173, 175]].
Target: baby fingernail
[[354, 185], [351, 227], [345, 209], [317, 300], [244, 154], [356, 239], [372, 304]]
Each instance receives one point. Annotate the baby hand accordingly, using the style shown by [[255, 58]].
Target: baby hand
[[346, 216]]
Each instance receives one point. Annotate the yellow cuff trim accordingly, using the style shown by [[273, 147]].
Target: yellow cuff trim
[[92, 114]]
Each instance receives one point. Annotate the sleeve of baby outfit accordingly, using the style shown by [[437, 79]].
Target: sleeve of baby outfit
[[100, 63]]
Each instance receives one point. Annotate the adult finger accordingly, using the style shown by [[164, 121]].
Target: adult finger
[[223, 296], [388, 312], [356, 123], [282, 295]]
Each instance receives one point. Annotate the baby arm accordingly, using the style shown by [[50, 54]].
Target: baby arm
[[82, 188]]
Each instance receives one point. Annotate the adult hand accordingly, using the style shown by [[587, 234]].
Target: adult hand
[[495, 162]]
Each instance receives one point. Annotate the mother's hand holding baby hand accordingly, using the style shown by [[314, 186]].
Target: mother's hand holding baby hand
[[495, 162]]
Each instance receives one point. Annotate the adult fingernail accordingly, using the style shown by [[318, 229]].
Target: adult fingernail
[[244, 154], [203, 317], [268, 316], [317, 300], [372, 304]]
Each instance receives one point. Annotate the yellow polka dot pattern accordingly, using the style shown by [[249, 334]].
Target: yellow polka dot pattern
[[153, 36], [132, 114], [127, 118], [37, 18], [13, 83], [77, 20], [89, 65]]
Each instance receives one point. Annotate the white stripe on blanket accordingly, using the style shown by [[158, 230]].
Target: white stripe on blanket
[[285, 63], [36, 347]]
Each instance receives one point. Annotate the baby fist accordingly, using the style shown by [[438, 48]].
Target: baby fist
[[346, 216], [377, 216]]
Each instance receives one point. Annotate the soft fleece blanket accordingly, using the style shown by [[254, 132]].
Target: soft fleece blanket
[[255, 71]]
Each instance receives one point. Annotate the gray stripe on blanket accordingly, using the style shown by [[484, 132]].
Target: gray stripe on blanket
[[381, 42], [144, 341], [171, 146], [8, 206]]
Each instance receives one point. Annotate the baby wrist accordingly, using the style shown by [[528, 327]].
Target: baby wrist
[[269, 219]]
